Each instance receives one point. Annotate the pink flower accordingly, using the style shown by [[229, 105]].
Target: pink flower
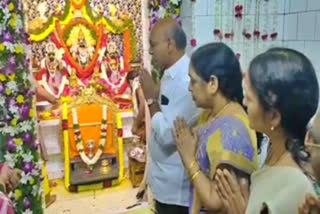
[[216, 32], [193, 42], [256, 33], [238, 16], [264, 37], [274, 35], [238, 8]]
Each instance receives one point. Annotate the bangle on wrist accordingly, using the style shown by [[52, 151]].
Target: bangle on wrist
[[193, 163], [195, 175]]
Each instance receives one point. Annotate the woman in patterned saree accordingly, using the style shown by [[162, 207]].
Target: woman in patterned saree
[[222, 138], [281, 95]]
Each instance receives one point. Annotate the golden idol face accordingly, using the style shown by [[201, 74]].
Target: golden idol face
[[113, 64]]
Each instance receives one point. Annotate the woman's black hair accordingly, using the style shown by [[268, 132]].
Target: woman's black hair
[[285, 80], [217, 59]]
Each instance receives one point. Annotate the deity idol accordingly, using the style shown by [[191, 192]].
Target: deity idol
[[81, 51], [112, 68], [53, 74]]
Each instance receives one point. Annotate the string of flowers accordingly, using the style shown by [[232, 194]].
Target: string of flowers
[[217, 32], [79, 143], [16, 108], [193, 40]]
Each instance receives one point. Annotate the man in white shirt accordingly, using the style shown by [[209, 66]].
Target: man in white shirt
[[167, 177]]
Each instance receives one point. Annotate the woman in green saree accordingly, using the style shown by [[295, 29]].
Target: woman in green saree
[[223, 138]]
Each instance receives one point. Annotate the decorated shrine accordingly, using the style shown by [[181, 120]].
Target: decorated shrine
[[76, 134], [82, 44], [81, 52]]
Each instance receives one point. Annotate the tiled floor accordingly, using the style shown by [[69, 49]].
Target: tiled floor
[[107, 201]]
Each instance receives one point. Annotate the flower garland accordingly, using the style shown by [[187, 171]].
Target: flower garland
[[119, 141], [72, 5], [228, 26], [16, 106], [217, 32], [256, 32], [82, 72], [79, 144], [248, 28], [274, 33], [193, 41]]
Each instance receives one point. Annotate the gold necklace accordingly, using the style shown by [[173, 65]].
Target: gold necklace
[[219, 112]]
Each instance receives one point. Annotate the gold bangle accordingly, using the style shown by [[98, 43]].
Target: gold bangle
[[195, 175], [193, 163]]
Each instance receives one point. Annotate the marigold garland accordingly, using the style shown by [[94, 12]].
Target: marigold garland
[[79, 143], [87, 71], [51, 24]]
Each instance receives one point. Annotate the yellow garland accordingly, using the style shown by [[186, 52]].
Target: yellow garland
[[66, 147], [50, 29], [120, 148]]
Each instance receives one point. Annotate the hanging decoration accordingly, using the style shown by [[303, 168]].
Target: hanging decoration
[[17, 110], [247, 26], [247, 20], [238, 11], [217, 32], [38, 34], [79, 144], [274, 12], [193, 40], [81, 40], [265, 24]]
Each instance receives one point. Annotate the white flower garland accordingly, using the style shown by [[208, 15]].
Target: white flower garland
[[218, 20], [256, 28], [78, 139], [247, 28]]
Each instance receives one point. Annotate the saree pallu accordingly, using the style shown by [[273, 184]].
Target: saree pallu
[[228, 140]]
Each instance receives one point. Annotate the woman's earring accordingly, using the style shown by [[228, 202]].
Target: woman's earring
[[272, 128]]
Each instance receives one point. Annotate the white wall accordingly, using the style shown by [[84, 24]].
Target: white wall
[[298, 26], [203, 24], [302, 28]]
